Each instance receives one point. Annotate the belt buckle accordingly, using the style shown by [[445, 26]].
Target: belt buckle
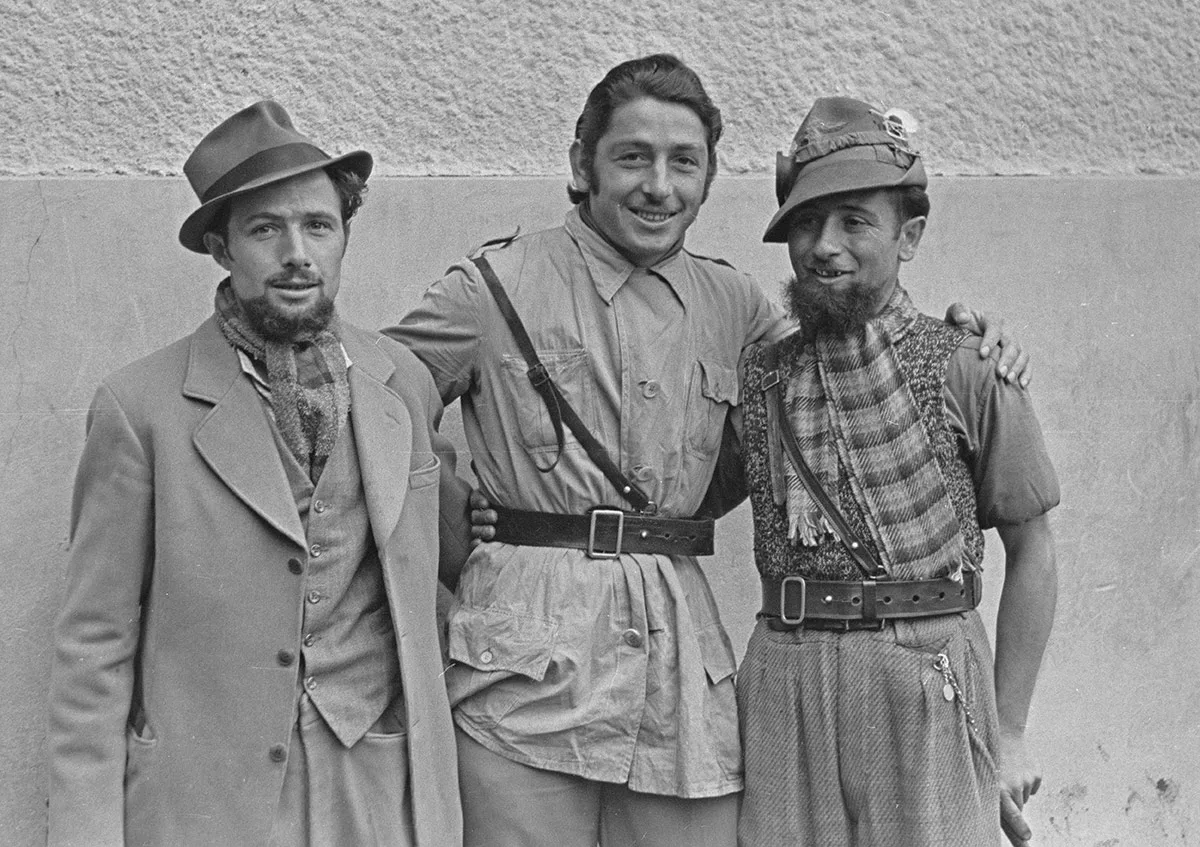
[[592, 552], [783, 586]]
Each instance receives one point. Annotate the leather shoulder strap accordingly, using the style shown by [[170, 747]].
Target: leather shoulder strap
[[556, 404]]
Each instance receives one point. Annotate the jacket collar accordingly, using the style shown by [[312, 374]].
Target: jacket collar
[[610, 270], [236, 441]]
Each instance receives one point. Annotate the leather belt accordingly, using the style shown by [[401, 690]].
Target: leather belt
[[606, 533], [794, 601]]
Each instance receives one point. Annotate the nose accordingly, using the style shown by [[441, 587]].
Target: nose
[[293, 248], [828, 242], [657, 184]]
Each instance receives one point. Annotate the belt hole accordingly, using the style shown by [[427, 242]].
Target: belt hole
[[887, 599], [962, 592], [916, 598], [854, 601]]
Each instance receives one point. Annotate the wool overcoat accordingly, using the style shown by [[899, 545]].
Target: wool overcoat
[[182, 600]]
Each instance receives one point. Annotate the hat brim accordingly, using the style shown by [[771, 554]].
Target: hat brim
[[191, 234], [837, 174]]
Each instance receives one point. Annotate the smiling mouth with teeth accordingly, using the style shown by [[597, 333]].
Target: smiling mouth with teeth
[[653, 217]]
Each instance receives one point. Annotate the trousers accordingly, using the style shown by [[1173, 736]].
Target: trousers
[[870, 738], [334, 795], [509, 804]]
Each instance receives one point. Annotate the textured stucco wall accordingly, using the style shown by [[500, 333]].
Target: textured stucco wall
[[468, 88]]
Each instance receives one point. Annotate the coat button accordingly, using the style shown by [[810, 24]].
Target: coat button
[[285, 657], [315, 551], [314, 596], [278, 753], [310, 682], [310, 640], [295, 566], [650, 389], [486, 657], [320, 506], [632, 637]]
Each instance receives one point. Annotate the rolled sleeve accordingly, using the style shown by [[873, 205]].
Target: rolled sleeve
[[1002, 441]]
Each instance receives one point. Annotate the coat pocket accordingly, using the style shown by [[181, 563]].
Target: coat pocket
[[713, 390], [496, 641]]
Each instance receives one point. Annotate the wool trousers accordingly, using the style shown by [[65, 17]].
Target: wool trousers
[[508, 804], [870, 738], [337, 795]]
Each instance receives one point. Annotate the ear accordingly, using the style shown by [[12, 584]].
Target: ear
[[910, 237], [579, 174], [216, 249]]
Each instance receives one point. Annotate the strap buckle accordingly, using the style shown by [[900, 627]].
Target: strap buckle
[[783, 604], [592, 552]]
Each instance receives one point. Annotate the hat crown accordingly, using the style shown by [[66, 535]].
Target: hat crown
[[258, 128], [835, 123]]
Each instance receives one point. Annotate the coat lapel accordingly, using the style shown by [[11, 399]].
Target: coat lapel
[[382, 433], [235, 438]]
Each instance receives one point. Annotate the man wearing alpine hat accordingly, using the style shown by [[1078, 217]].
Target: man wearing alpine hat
[[878, 446], [248, 650]]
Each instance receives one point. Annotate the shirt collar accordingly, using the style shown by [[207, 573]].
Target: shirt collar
[[610, 270]]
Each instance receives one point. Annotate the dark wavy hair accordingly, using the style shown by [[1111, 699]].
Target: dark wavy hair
[[661, 76]]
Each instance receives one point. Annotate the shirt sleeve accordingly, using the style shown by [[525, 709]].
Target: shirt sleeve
[[768, 321], [444, 331], [1000, 439]]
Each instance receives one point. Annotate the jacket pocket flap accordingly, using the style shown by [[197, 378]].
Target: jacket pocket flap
[[496, 640], [719, 382]]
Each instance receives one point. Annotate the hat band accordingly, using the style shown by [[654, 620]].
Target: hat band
[[273, 160]]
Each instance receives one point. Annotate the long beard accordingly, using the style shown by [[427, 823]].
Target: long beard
[[292, 327], [820, 310]]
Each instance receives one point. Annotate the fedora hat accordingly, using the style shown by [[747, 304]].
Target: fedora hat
[[255, 147], [843, 144]]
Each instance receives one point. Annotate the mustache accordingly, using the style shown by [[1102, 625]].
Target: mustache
[[302, 276]]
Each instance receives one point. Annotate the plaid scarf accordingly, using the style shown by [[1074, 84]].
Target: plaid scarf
[[307, 378], [847, 400]]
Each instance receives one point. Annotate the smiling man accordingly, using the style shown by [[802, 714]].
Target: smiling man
[[248, 652], [877, 448], [596, 363]]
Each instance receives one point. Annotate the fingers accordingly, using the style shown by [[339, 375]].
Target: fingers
[[478, 501], [1013, 822], [961, 316], [992, 330]]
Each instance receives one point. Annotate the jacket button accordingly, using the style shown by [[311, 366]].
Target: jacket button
[[295, 567], [632, 637], [285, 657], [650, 389], [277, 753], [486, 657]]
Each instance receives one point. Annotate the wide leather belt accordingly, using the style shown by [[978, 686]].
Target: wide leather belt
[[606, 533], [794, 602]]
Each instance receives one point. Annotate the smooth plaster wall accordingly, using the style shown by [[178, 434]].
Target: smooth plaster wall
[[1097, 276], [438, 87]]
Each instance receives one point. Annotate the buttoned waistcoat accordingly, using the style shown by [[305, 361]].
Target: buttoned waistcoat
[[183, 597]]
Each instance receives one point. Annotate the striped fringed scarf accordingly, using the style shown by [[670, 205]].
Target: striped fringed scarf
[[874, 426], [310, 389]]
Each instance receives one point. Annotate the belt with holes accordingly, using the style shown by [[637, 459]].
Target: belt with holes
[[606, 533], [794, 601]]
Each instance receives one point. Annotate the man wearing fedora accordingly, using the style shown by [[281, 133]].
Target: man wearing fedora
[[877, 447], [248, 651]]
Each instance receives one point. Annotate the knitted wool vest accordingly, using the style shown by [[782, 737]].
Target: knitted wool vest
[[923, 354]]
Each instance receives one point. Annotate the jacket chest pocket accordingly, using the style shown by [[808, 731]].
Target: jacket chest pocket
[[571, 372], [712, 391]]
